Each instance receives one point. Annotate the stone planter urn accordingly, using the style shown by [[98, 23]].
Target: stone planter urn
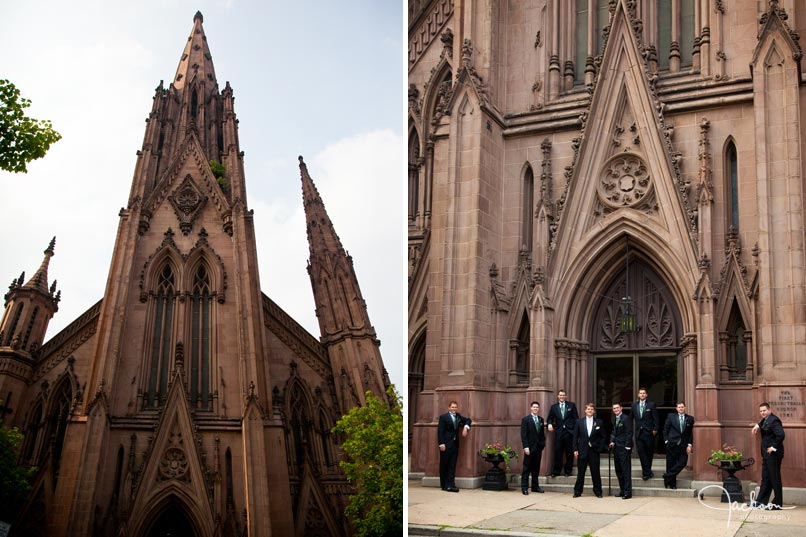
[[732, 485], [496, 478]]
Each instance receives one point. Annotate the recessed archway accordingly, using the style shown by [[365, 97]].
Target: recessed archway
[[172, 521]]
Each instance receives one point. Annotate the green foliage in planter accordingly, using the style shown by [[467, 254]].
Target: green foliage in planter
[[727, 453], [497, 449]]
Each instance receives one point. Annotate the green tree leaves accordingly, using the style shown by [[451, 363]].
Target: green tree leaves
[[22, 139], [374, 447], [14, 479]]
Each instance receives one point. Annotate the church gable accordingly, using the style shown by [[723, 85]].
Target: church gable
[[624, 167], [173, 466], [189, 186]]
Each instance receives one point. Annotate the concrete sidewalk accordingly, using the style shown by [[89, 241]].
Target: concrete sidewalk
[[432, 511]]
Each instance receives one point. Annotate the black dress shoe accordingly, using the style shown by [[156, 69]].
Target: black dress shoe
[[645, 478], [598, 494], [651, 475], [619, 494], [673, 487], [554, 475], [626, 497], [525, 492], [567, 474], [577, 494], [452, 489], [538, 489]]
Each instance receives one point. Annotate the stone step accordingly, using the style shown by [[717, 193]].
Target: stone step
[[636, 490], [655, 482]]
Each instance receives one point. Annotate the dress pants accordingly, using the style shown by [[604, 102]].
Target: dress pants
[[447, 467], [623, 470], [591, 460], [676, 460], [562, 446], [771, 481], [645, 445], [531, 465]]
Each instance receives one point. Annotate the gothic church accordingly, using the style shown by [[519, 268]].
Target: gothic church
[[606, 195], [187, 402]]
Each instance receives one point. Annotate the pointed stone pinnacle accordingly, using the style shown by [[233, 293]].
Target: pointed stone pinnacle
[[199, 16], [51, 246]]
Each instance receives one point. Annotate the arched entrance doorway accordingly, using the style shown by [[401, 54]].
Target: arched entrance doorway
[[172, 521], [626, 357]]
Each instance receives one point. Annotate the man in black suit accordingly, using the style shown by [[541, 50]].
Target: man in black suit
[[677, 432], [533, 436], [562, 420], [448, 429], [772, 454], [647, 424], [621, 444], [588, 441]]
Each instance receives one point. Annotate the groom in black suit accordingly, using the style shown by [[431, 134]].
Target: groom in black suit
[[533, 436], [589, 441], [621, 443], [647, 424], [448, 430], [677, 432], [772, 454], [562, 420]]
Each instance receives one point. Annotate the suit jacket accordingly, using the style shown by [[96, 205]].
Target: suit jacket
[[772, 435], [649, 422], [621, 435], [671, 430], [596, 442], [555, 418], [533, 437], [447, 433]]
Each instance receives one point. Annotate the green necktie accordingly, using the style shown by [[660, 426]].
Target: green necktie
[[455, 422], [682, 423], [562, 409], [642, 409]]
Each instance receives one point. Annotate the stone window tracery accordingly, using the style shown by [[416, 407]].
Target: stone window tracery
[[163, 303]]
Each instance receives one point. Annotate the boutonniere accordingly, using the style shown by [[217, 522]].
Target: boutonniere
[[597, 427]]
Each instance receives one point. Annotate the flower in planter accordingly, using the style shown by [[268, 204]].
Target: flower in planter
[[497, 449], [727, 453]]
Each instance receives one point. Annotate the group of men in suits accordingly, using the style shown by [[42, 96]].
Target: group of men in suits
[[585, 439]]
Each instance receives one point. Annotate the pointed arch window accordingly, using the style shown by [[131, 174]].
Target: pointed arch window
[[162, 330], [735, 343], [675, 34], [15, 320], [590, 18], [230, 488], [414, 174], [520, 348], [200, 303], [528, 197], [194, 105], [732, 176], [31, 436], [327, 440], [30, 327], [300, 430], [57, 422]]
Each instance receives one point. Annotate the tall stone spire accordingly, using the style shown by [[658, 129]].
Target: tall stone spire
[[196, 61], [346, 331], [39, 280]]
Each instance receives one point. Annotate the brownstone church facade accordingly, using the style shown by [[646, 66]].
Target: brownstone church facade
[[187, 402], [605, 195]]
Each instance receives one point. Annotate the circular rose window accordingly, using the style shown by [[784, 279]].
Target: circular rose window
[[625, 181]]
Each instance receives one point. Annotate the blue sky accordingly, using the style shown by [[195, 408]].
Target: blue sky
[[320, 79]]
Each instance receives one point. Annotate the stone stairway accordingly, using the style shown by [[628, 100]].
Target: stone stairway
[[652, 487]]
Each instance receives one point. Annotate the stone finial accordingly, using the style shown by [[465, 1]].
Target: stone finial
[[198, 16], [51, 246]]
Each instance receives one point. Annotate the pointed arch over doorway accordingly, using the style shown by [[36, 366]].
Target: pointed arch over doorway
[[643, 354], [173, 519]]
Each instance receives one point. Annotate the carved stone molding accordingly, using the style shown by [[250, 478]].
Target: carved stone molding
[[624, 182], [187, 201], [429, 27]]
